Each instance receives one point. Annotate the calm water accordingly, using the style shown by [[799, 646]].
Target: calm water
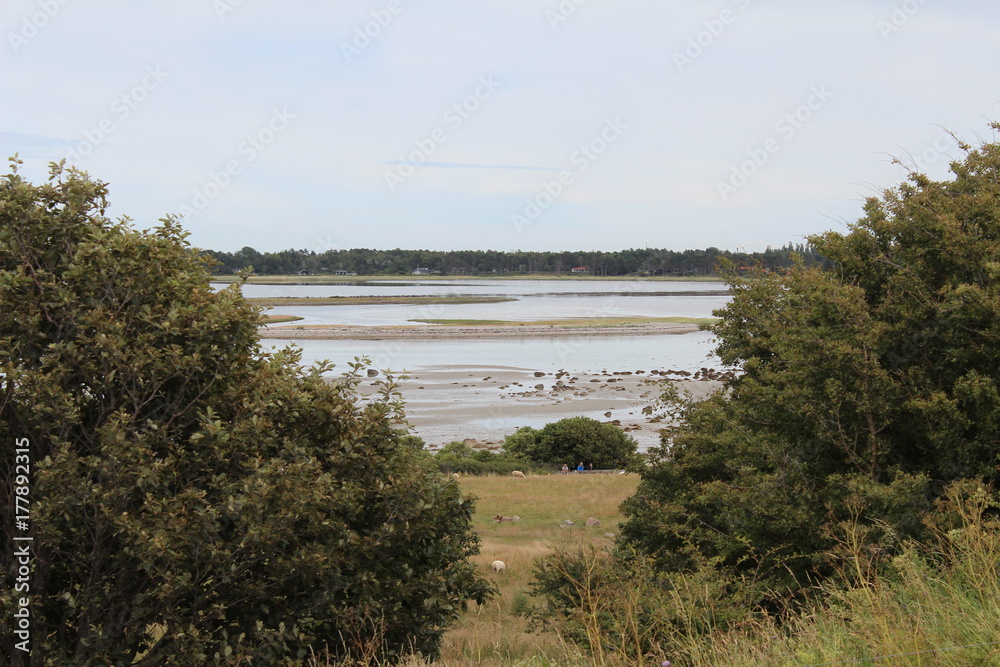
[[576, 354], [536, 300]]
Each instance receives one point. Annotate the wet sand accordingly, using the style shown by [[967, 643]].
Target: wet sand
[[485, 403], [444, 332]]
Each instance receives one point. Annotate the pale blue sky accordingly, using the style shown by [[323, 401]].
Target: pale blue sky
[[503, 124]]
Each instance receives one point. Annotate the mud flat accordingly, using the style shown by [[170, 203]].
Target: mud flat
[[485, 403]]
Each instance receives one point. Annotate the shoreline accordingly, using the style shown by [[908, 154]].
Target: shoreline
[[445, 332], [481, 405]]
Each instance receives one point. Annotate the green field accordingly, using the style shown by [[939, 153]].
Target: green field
[[493, 634], [938, 605]]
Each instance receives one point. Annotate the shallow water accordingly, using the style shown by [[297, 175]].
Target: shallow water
[[447, 411], [535, 300], [472, 287], [577, 354]]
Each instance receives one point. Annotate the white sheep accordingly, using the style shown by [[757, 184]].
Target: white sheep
[[517, 473], [499, 566]]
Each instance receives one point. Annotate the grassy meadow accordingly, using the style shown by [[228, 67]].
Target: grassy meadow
[[494, 634], [939, 606]]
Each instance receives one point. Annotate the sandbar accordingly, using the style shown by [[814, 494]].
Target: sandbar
[[443, 332]]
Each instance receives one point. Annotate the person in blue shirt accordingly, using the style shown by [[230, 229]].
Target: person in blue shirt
[[579, 468]]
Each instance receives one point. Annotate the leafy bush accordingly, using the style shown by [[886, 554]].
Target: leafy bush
[[572, 440], [194, 499], [865, 390], [460, 457], [939, 599]]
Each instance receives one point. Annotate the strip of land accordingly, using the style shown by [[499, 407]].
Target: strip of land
[[374, 300], [410, 279], [491, 330]]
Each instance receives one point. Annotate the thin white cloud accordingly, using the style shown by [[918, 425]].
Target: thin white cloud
[[362, 111]]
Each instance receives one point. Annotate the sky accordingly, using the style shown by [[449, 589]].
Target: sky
[[497, 124]]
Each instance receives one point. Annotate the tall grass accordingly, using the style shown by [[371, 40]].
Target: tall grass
[[933, 604], [500, 633]]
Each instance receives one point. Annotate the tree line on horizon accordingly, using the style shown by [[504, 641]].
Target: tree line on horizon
[[636, 261]]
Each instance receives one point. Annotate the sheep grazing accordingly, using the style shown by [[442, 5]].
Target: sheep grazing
[[591, 522], [517, 473], [500, 519], [498, 566]]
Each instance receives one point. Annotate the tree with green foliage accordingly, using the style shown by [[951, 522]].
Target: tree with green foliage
[[193, 498], [865, 390], [572, 440], [458, 457]]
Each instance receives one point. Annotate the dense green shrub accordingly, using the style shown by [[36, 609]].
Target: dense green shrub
[[461, 458], [939, 599], [865, 390], [573, 440], [195, 500]]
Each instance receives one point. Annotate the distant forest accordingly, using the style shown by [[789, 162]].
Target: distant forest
[[634, 262]]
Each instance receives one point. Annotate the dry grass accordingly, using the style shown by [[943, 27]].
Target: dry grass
[[492, 634], [279, 319]]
